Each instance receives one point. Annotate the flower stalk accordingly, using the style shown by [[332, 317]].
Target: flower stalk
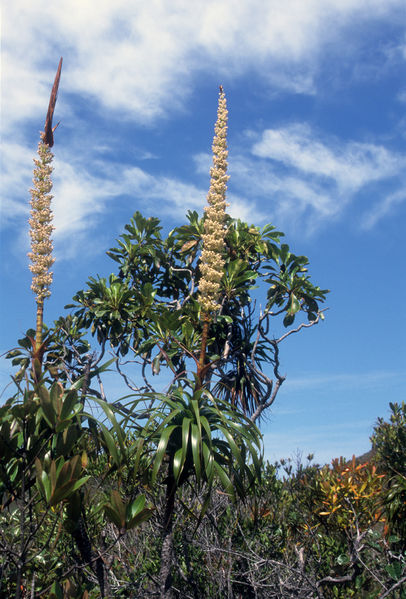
[[41, 219], [40, 232], [212, 257]]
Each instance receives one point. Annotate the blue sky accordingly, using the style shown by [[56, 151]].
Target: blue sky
[[316, 93]]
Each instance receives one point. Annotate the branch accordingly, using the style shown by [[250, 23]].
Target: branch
[[332, 579], [269, 400], [272, 392], [301, 326], [134, 388], [395, 586], [192, 283]]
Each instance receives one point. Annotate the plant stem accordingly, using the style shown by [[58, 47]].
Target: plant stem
[[39, 323], [203, 348]]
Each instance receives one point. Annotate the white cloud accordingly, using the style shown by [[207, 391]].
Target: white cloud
[[84, 190], [140, 62], [141, 59], [171, 193], [245, 210], [266, 194], [79, 198], [383, 208], [292, 178], [310, 180], [289, 201], [17, 166], [77, 195], [350, 167]]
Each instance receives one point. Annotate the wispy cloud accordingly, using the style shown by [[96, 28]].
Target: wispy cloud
[[308, 181], [142, 64], [17, 169], [313, 179], [349, 167], [152, 52], [285, 198], [383, 208], [85, 190], [360, 380], [171, 193]]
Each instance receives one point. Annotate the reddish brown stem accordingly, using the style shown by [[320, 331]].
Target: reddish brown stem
[[40, 320], [203, 348]]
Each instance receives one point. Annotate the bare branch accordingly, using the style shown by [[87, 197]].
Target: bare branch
[[192, 283], [267, 401], [397, 585], [301, 326]]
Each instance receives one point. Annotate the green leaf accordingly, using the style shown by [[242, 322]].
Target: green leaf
[[196, 410], [224, 318], [208, 462], [394, 539], [53, 474], [55, 395], [116, 427], [137, 512], [67, 490], [69, 401], [116, 510], [234, 448], [135, 507], [177, 464], [180, 455], [156, 364], [47, 407], [37, 369], [394, 570], [205, 424], [161, 449], [43, 482], [141, 517], [56, 591], [195, 440], [224, 479], [288, 320], [111, 444]]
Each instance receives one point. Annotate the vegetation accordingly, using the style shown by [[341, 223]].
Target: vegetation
[[164, 492]]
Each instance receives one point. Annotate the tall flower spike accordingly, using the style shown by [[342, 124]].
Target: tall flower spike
[[212, 260], [40, 224], [41, 217]]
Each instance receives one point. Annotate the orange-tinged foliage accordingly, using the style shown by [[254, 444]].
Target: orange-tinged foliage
[[351, 492]]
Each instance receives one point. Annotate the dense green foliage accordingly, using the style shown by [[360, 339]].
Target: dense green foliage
[[389, 443], [73, 507]]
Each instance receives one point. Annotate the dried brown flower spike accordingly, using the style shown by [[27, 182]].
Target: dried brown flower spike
[[48, 135]]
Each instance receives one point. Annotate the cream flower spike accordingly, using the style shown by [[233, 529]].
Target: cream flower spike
[[212, 260], [40, 224], [41, 215]]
